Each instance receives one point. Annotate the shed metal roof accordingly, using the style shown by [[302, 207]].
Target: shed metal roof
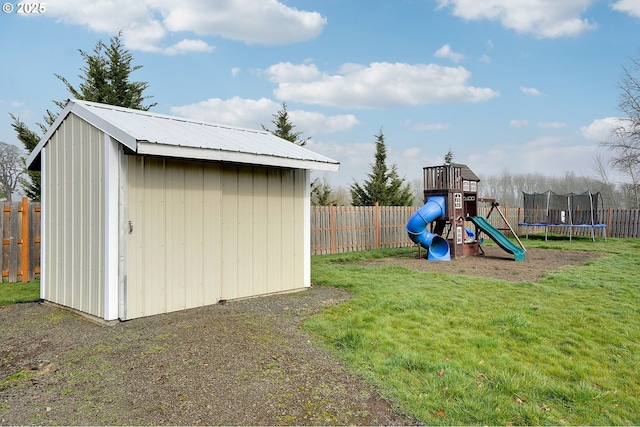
[[161, 135]]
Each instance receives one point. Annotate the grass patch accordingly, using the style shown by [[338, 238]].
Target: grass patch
[[18, 376], [12, 293], [458, 350]]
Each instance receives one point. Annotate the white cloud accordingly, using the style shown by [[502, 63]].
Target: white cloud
[[235, 71], [600, 129], [267, 22], [286, 71], [518, 123], [530, 91], [632, 7], [252, 114], [148, 24], [381, 84], [316, 123], [186, 46], [236, 111], [446, 52], [543, 18], [485, 58]]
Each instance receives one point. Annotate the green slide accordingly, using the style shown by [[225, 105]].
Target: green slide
[[499, 238]]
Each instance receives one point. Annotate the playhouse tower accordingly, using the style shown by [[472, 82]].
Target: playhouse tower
[[458, 185]]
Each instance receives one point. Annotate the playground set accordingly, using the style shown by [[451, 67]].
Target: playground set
[[451, 201]]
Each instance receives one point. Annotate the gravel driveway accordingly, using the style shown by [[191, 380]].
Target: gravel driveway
[[242, 363]]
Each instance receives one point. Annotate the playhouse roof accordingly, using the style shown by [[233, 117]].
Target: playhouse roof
[[467, 174], [161, 135]]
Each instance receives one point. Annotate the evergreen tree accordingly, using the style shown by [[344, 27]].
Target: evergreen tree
[[284, 128], [322, 193], [448, 158], [29, 139], [383, 186], [105, 79]]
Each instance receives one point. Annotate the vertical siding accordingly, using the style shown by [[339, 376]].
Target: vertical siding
[[210, 231], [242, 275], [212, 234], [74, 219], [274, 224], [133, 217], [230, 224], [260, 245]]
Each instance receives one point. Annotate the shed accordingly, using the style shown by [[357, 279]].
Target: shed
[[145, 213]]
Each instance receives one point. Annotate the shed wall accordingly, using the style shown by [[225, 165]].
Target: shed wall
[[204, 232], [73, 230]]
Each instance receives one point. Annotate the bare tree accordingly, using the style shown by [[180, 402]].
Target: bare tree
[[11, 169], [625, 147], [630, 98], [417, 188], [601, 172], [624, 142]]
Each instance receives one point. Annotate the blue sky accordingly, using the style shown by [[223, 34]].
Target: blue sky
[[518, 85]]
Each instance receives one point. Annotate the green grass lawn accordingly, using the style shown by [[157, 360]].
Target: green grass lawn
[[11, 293], [460, 350]]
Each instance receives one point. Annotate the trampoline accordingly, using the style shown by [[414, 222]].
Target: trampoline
[[571, 210]]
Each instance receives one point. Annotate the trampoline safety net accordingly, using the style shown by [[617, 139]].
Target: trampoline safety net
[[561, 209]]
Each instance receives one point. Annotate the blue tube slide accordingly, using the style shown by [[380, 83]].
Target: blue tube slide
[[437, 246]]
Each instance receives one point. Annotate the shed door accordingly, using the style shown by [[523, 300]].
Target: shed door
[[166, 244]]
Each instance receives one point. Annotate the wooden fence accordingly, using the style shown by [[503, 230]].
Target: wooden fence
[[623, 222], [337, 229], [20, 231], [334, 229]]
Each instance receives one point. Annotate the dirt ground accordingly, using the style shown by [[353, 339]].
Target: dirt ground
[[495, 263], [242, 363]]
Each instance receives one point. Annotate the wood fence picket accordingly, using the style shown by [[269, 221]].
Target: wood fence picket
[[20, 232]]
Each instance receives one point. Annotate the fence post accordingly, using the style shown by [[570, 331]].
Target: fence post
[[25, 240], [376, 206], [13, 242], [332, 227], [34, 256], [2, 251]]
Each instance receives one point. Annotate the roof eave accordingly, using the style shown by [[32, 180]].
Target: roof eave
[[33, 160], [155, 149]]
